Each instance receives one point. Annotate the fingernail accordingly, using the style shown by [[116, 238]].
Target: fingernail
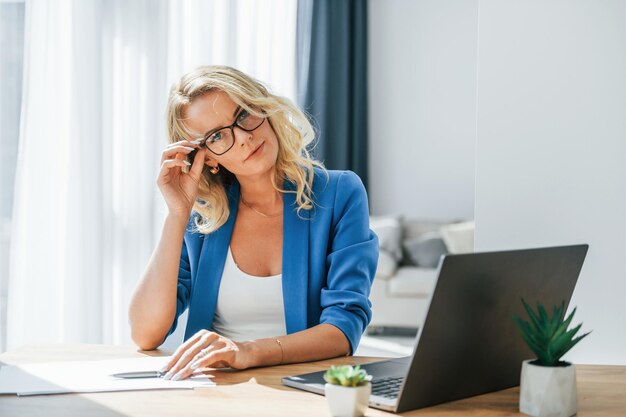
[[168, 375], [195, 365], [197, 141], [186, 162], [189, 148], [164, 368], [177, 376]]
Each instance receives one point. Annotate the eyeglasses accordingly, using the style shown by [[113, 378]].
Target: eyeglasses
[[219, 141]]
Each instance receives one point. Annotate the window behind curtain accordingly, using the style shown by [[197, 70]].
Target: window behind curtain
[[11, 57], [141, 49]]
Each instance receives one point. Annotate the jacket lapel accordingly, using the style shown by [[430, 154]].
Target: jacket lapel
[[295, 262], [210, 268], [295, 266]]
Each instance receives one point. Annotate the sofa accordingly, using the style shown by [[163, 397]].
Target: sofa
[[410, 251]]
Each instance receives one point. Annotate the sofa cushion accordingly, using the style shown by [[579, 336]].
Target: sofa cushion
[[414, 228], [458, 237], [425, 250], [387, 265], [389, 232], [412, 281]]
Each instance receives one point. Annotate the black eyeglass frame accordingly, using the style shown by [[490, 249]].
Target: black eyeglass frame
[[232, 132]]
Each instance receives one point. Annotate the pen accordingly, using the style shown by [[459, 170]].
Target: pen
[[140, 374]]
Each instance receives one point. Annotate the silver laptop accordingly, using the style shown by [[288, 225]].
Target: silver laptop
[[469, 344]]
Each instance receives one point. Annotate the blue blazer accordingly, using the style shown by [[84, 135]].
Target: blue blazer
[[329, 260]]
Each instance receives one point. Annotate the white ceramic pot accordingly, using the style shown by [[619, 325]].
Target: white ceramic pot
[[348, 401], [548, 391]]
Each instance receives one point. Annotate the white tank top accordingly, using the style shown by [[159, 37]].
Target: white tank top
[[248, 307]]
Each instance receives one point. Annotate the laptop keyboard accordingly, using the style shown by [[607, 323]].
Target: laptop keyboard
[[387, 387]]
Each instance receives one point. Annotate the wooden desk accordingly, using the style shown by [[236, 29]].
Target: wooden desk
[[258, 392]]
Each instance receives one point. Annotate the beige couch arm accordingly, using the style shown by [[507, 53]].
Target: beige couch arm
[[387, 266]]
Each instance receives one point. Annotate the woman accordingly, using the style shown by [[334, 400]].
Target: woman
[[277, 256]]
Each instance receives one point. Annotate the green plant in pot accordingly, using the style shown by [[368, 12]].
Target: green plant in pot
[[347, 390], [548, 384]]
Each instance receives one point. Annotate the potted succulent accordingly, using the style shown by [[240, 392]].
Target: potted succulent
[[548, 384], [347, 390]]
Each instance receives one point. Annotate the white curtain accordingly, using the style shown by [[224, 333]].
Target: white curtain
[[256, 36], [87, 212]]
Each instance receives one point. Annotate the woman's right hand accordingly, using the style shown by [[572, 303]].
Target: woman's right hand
[[179, 188]]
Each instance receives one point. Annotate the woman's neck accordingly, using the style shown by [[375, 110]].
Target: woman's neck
[[259, 192]]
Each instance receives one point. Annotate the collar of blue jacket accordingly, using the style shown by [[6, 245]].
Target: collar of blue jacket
[[329, 260]]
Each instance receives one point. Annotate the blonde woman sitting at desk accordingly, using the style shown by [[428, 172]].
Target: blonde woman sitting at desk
[[277, 257]]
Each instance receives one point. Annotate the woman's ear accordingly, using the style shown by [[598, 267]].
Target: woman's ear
[[214, 167], [208, 161]]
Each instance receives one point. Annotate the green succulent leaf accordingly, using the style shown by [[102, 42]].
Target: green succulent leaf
[[556, 319], [548, 335], [347, 376], [543, 316], [532, 315], [563, 326]]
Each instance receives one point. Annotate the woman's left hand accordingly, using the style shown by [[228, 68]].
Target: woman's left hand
[[206, 350]]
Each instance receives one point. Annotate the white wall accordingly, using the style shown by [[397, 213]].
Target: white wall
[[551, 148], [422, 107]]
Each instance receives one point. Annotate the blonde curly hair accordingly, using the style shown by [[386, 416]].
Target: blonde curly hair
[[291, 126]]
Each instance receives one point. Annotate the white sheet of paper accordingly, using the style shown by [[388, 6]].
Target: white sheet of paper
[[90, 376]]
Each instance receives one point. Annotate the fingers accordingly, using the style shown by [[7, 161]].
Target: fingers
[[212, 359], [182, 348], [188, 143], [181, 150], [172, 151], [171, 166], [173, 161], [198, 163], [187, 352]]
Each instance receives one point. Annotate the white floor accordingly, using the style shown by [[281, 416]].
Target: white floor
[[385, 346]]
